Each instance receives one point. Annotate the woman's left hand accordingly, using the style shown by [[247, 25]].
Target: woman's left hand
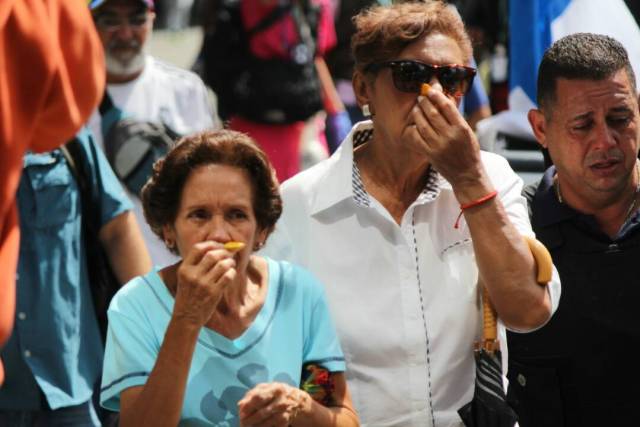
[[447, 138], [272, 405]]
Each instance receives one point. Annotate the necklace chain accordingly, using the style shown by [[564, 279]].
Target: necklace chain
[[632, 206]]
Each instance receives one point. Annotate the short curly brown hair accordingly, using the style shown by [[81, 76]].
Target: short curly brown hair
[[382, 32], [162, 193]]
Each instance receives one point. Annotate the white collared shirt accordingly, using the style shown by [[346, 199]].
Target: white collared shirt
[[404, 297]]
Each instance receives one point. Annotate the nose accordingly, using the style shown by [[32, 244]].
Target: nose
[[218, 230], [434, 82], [124, 30], [605, 137]]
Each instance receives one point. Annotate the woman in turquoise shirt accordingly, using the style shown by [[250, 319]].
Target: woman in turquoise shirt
[[224, 337]]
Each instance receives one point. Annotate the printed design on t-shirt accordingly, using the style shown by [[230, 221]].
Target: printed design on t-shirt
[[222, 410]]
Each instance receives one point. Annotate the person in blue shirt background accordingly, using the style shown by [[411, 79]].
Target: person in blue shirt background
[[54, 356], [475, 103]]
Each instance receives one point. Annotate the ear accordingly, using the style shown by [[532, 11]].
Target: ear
[[360, 88], [169, 234], [261, 238], [152, 18], [539, 126]]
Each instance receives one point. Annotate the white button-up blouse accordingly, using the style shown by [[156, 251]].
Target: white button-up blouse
[[404, 297]]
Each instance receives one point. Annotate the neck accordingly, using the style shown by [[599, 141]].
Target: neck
[[239, 306], [244, 289], [612, 211], [394, 178], [122, 78]]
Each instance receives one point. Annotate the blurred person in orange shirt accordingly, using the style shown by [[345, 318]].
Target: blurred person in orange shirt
[[51, 78]]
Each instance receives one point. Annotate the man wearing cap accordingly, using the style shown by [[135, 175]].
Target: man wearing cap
[[146, 88]]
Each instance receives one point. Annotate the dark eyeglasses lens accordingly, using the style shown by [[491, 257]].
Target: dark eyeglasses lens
[[455, 80], [138, 20], [408, 76]]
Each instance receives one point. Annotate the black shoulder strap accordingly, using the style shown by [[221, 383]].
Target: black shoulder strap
[[274, 16], [529, 193], [102, 280], [106, 104], [302, 27], [72, 151]]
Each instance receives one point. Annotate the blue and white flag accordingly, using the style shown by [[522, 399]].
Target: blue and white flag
[[533, 26], [536, 24]]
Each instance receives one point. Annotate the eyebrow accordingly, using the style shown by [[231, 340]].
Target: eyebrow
[[581, 116], [621, 109], [233, 205]]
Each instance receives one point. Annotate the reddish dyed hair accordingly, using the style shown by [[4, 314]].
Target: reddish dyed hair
[[382, 32]]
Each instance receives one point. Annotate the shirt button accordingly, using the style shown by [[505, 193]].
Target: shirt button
[[22, 316], [27, 353], [522, 380]]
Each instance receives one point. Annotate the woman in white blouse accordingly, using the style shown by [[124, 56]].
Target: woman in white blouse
[[405, 219]]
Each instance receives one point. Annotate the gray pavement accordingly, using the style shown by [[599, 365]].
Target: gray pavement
[[179, 48]]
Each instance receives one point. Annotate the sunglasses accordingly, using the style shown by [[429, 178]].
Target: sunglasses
[[113, 23], [409, 75]]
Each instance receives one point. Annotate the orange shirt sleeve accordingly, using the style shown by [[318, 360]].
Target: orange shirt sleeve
[[52, 77]]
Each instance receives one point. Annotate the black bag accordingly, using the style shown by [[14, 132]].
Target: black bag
[[272, 91], [132, 146], [104, 284]]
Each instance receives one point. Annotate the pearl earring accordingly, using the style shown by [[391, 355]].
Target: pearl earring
[[365, 110]]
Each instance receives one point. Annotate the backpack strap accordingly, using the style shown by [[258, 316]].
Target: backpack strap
[[274, 16], [110, 114], [102, 281], [72, 152], [106, 104], [302, 27]]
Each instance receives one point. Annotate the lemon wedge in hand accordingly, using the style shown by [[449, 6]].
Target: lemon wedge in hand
[[234, 246]]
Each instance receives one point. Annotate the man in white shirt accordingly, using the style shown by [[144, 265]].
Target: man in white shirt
[[146, 88]]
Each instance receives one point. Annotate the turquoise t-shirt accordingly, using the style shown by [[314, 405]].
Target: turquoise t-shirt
[[292, 328]]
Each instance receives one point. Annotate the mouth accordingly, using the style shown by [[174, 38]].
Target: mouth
[[605, 167]]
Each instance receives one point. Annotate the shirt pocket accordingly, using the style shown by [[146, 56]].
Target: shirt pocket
[[461, 269], [54, 191]]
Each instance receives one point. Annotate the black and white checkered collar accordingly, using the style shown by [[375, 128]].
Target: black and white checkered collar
[[362, 198]]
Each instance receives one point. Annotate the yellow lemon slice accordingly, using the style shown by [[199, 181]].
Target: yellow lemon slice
[[424, 89], [234, 246]]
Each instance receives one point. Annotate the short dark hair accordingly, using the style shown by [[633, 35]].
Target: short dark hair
[[162, 193], [581, 56], [382, 32]]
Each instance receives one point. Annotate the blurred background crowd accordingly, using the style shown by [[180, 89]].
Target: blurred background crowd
[[180, 26]]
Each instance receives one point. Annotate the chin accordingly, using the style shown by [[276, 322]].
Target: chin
[[124, 66]]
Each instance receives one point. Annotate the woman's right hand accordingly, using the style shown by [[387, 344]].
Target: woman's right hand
[[202, 278]]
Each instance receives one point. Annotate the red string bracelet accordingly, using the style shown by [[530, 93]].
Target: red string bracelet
[[477, 202]]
